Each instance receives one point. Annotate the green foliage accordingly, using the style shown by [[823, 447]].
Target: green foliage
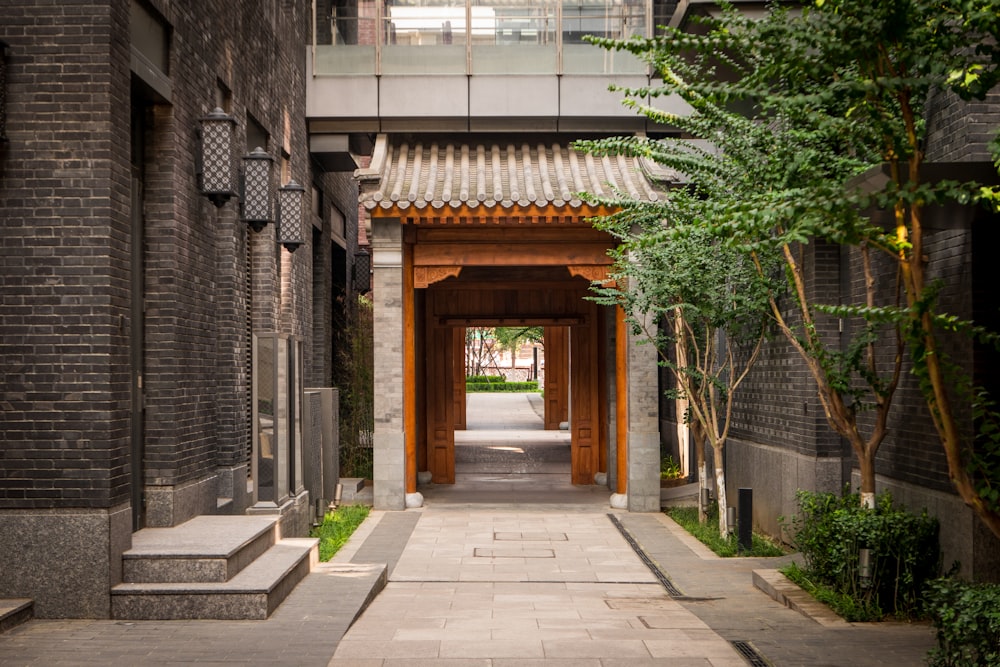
[[795, 111], [481, 387], [337, 528], [687, 518], [831, 530], [967, 618], [670, 469], [354, 375], [511, 338], [484, 379]]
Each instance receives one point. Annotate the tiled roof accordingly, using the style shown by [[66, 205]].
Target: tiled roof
[[505, 174]]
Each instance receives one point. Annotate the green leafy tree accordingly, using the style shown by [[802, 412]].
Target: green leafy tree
[[511, 338], [824, 94], [703, 305]]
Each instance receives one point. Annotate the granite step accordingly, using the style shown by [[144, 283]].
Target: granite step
[[208, 548], [14, 612], [252, 594]]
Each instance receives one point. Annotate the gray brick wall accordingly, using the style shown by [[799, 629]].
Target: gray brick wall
[[67, 244], [64, 201]]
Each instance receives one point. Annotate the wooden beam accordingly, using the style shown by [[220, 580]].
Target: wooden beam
[[510, 254], [425, 276], [501, 321]]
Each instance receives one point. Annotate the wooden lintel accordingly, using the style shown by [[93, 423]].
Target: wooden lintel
[[595, 273], [508, 321], [424, 276], [510, 254]]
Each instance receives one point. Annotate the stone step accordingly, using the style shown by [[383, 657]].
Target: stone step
[[207, 548], [250, 595], [14, 612]]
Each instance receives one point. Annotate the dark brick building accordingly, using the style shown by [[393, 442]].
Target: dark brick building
[[130, 303]]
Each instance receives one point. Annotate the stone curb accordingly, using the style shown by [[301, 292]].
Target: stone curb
[[780, 589]]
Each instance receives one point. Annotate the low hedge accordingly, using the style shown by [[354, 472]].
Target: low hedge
[[480, 387], [480, 379], [905, 555], [967, 618]]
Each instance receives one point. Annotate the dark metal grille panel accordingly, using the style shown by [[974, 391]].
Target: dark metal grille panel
[[668, 585], [257, 195], [217, 168], [749, 653]]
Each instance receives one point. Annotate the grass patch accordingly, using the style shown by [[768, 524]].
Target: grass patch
[[337, 527], [844, 605], [708, 534]]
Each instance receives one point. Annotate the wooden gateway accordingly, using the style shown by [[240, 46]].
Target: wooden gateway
[[494, 234]]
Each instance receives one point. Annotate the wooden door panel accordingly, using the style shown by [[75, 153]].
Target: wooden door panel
[[584, 409], [556, 376], [440, 405]]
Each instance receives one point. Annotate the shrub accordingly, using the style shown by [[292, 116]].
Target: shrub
[[479, 379], [967, 618], [670, 469], [903, 547], [472, 387]]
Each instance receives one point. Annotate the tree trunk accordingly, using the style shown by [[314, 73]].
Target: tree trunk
[[698, 434], [720, 489], [866, 459]]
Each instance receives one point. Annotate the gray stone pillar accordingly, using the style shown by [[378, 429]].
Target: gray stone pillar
[[387, 288], [643, 428]]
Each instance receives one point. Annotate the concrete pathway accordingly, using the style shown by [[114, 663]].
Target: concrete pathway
[[491, 586], [510, 567]]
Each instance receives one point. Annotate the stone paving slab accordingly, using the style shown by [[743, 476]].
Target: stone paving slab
[[456, 597]]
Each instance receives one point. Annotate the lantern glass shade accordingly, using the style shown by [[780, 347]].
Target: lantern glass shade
[[218, 181], [290, 199], [258, 189]]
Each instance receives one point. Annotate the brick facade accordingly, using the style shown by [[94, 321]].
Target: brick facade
[[84, 125]]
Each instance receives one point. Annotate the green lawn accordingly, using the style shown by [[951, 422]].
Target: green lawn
[[708, 533], [337, 527]]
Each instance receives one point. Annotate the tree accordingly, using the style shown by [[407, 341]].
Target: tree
[[707, 306], [837, 89]]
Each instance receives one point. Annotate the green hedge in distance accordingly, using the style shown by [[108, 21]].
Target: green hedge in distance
[[481, 387]]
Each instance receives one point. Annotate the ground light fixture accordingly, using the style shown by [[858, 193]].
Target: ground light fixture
[[865, 567], [257, 189], [216, 175], [290, 198]]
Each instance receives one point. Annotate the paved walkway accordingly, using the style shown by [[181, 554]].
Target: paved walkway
[[509, 568]]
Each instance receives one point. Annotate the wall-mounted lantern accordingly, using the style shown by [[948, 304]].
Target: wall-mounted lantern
[[290, 198], [258, 189], [362, 274], [217, 177]]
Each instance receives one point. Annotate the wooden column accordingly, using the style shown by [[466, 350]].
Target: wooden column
[[602, 387], [409, 372], [440, 401], [621, 399], [584, 411], [556, 376], [458, 367]]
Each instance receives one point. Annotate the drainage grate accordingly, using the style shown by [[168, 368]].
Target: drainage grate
[[657, 572], [749, 653]]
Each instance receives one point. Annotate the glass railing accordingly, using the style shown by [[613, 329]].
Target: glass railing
[[473, 37]]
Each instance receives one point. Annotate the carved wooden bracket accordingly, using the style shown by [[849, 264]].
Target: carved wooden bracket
[[428, 275], [592, 272]]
